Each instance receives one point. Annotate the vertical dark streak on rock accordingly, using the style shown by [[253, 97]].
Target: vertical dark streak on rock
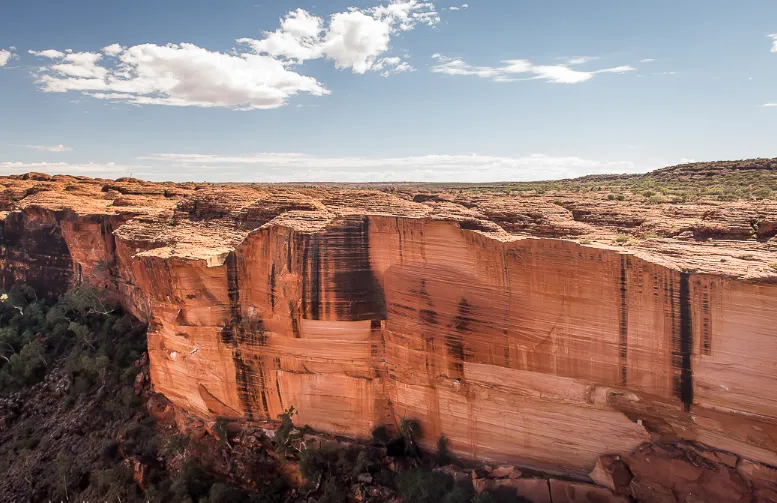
[[272, 286], [454, 342], [706, 323], [315, 279], [234, 333], [305, 280], [278, 389], [682, 342], [358, 295], [674, 316], [624, 326], [311, 276], [294, 320], [686, 342]]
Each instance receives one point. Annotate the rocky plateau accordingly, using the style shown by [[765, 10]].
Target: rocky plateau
[[595, 338]]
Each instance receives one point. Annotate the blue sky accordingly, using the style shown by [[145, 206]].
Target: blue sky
[[375, 91]]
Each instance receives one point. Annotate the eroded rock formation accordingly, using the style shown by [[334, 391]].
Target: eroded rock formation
[[362, 307]]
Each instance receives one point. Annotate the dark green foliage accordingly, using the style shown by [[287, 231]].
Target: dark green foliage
[[222, 431], [174, 445], [380, 436], [333, 461], [422, 485], [225, 493], [83, 326], [485, 497], [334, 468], [91, 346], [284, 433], [191, 482], [443, 453], [410, 429], [332, 493], [274, 492]]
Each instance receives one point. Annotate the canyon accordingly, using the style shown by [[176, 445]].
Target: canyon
[[540, 329]]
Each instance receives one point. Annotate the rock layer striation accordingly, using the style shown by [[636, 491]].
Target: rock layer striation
[[363, 307]]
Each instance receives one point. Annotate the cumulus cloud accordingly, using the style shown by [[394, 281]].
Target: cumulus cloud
[[520, 69], [773, 36], [355, 39], [47, 148], [769, 105], [112, 50], [454, 7], [179, 75], [647, 60], [282, 167], [259, 74], [6, 56], [48, 53]]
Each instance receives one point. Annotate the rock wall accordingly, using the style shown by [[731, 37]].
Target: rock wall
[[533, 350]]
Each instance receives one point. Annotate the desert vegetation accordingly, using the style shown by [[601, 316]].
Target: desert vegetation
[[72, 420], [73, 425]]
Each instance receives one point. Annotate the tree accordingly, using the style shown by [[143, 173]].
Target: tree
[[410, 429], [63, 470]]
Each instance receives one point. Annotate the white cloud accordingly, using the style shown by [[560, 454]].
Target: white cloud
[[773, 36], [298, 38], [354, 39], [647, 60], [581, 60], [112, 50], [279, 167], [49, 53], [391, 65], [768, 105], [257, 75], [53, 168], [6, 56], [47, 148], [510, 70], [454, 7], [180, 75]]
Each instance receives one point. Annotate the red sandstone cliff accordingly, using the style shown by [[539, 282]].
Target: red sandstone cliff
[[360, 307]]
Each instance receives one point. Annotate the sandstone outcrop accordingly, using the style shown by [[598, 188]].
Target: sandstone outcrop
[[521, 328]]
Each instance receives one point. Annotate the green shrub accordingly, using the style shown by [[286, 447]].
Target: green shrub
[[422, 485], [380, 436], [443, 453], [225, 493], [284, 433], [221, 429]]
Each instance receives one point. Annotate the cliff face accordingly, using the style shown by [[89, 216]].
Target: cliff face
[[360, 308]]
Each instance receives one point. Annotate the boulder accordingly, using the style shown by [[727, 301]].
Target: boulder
[[139, 471], [611, 473], [505, 471]]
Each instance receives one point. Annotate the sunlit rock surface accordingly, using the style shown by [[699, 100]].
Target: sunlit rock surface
[[363, 307]]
